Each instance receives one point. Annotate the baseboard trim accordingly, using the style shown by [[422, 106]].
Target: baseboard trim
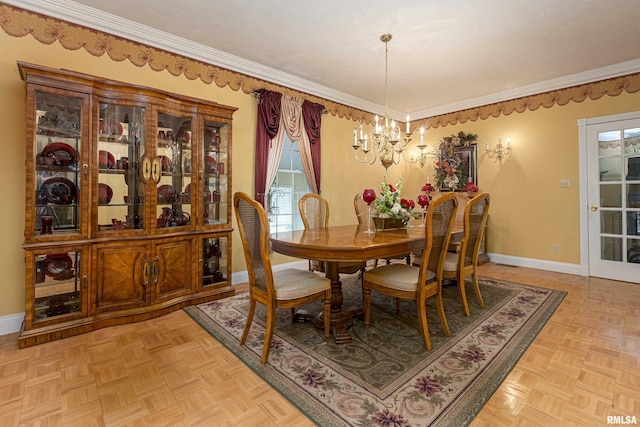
[[13, 322], [540, 264]]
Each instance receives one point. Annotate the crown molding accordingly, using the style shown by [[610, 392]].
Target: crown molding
[[82, 15]]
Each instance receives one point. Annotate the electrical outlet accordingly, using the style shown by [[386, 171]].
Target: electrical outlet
[[565, 183], [555, 249]]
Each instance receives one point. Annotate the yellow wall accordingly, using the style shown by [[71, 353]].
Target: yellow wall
[[529, 212]]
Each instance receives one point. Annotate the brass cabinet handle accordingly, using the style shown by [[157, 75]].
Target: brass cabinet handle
[[146, 273], [594, 208], [145, 168], [84, 282], [85, 169], [155, 270], [156, 170]]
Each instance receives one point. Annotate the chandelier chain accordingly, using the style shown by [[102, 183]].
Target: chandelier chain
[[387, 143]]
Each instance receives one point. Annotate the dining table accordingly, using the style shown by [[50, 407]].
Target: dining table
[[346, 243]]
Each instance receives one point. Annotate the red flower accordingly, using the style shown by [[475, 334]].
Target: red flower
[[407, 204], [392, 188]]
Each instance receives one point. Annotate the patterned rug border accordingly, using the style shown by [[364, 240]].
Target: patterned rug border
[[477, 393]]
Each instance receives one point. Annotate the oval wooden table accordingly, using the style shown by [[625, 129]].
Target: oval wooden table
[[346, 243]]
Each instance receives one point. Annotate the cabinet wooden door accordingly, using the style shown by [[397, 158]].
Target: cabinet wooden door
[[121, 276], [172, 271]]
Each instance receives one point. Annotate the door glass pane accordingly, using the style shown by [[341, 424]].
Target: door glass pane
[[632, 141], [611, 195], [215, 266], [215, 172], [633, 251], [633, 168], [611, 248], [611, 222], [120, 193], [633, 223], [174, 153], [609, 143], [58, 150], [633, 195], [57, 286], [610, 169]]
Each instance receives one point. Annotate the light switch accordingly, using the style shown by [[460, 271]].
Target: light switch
[[565, 183]]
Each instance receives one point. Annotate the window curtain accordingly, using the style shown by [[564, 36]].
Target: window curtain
[[312, 115], [300, 120], [269, 107]]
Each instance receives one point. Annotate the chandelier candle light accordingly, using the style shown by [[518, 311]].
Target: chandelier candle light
[[387, 140]]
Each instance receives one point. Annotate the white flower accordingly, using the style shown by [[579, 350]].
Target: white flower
[[383, 215], [396, 208]]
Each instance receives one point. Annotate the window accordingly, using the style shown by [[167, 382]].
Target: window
[[288, 187]]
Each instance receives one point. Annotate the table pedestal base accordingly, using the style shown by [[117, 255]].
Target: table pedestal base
[[341, 321], [341, 318]]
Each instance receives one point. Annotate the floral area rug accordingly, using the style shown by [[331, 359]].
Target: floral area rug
[[385, 377]]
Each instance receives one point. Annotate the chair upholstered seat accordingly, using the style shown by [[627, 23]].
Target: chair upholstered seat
[[397, 276], [451, 261], [293, 284]]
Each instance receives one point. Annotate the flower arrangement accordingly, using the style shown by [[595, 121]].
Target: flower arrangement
[[448, 172], [389, 204]]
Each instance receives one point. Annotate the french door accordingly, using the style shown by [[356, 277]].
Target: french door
[[613, 167]]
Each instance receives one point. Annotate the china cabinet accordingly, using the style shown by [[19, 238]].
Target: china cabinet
[[128, 203]]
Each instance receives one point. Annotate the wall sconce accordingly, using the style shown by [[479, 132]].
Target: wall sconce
[[500, 150]]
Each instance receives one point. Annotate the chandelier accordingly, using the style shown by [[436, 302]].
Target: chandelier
[[386, 141]]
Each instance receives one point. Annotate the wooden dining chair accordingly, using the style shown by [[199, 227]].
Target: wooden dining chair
[[413, 282], [287, 288], [464, 261], [314, 211], [360, 206]]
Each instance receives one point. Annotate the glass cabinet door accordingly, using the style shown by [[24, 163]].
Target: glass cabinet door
[[215, 173], [121, 146], [57, 285], [58, 170], [215, 265], [174, 159]]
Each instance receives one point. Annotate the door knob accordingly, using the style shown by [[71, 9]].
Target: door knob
[[594, 208]]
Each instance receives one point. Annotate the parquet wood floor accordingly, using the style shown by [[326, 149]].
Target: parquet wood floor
[[583, 367]]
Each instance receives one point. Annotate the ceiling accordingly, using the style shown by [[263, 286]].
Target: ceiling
[[445, 55]]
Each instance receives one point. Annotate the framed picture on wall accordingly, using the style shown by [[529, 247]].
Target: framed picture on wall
[[468, 166], [469, 163]]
